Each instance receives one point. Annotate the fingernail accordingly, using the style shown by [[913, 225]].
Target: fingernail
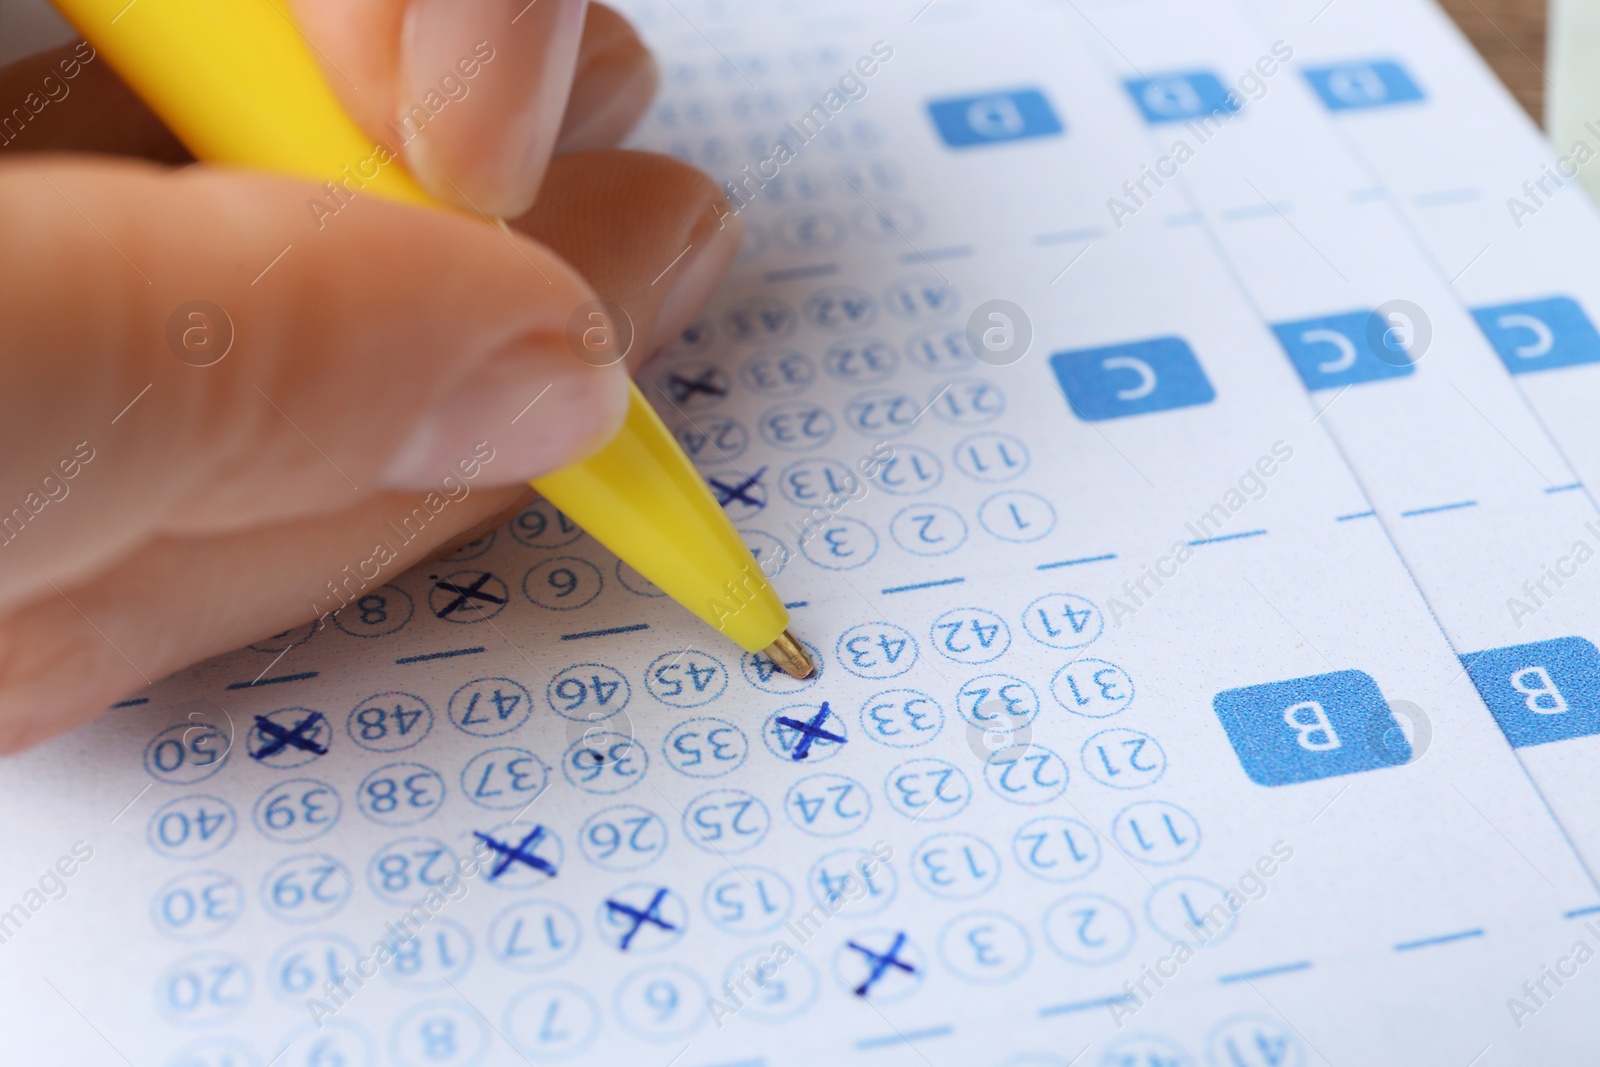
[[534, 411], [692, 280], [602, 119], [482, 87]]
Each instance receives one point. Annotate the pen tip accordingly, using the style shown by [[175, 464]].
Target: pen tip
[[791, 656]]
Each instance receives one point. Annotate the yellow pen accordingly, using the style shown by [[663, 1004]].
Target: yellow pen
[[237, 83]]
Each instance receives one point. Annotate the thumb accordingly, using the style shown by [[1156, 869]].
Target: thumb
[[196, 352]]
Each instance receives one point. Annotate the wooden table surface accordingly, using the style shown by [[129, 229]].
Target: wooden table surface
[[1510, 35]]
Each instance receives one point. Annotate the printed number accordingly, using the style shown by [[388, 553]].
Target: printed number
[[1254, 1040], [956, 866], [809, 231], [534, 935], [810, 482], [1124, 759], [490, 707], [877, 650], [504, 778], [1062, 620], [777, 373], [940, 349], [1056, 849], [853, 882], [191, 827], [998, 700], [388, 722], [186, 753], [299, 969], [552, 1020], [1030, 774], [748, 900], [333, 1044], [588, 692], [203, 989], [970, 635], [726, 821], [541, 525], [931, 789], [712, 439], [968, 402], [805, 733], [705, 748], [605, 762], [306, 888], [861, 361], [985, 947], [686, 679], [289, 737], [1156, 832], [623, 838], [759, 320], [929, 529], [902, 718], [193, 907], [761, 672], [779, 991], [796, 426], [1192, 909], [840, 309], [840, 544], [401, 794], [562, 583], [991, 457], [466, 597], [662, 1002], [430, 958], [910, 471], [1088, 928], [882, 413], [1017, 516], [383, 611], [1092, 687], [404, 870], [439, 1034], [918, 298], [297, 810], [828, 805]]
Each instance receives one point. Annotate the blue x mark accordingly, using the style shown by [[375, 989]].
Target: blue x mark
[[648, 915], [521, 852], [809, 732], [881, 963], [276, 738], [726, 493]]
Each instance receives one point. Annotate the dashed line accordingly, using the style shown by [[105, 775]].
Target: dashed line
[[1265, 972], [1083, 1005], [1442, 939], [818, 270], [867, 1044], [1075, 562], [606, 633], [1439, 507], [1227, 537], [924, 585], [1564, 488], [953, 252], [135, 702], [1355, 515], [798, 604], [451, 654], [259, 682]]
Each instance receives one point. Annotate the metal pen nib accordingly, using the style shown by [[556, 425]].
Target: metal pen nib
[[791, 656]]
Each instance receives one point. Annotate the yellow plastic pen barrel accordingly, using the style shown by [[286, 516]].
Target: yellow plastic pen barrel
[[237, 83]]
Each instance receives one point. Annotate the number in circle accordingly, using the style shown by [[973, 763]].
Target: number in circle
[[1092, 687], [642, 918], [518, 855], [663, 1002], [445, 1033], [931, 789], [562, 583], [998, 699], [204, 989], [541, 525], [985, 947], [383, 611], [861, 361], [1056, 849], [1088, 928], [761, 672], [970, 635], [902, 718], [400, 794], [853, 882], [588, 692], [726, 821], [490, 707], [299, 809], [431, 957], [1124, 759], [406, 870], [877, 650], [777, 373], [1026, 774], [299, 968], [187, 752], [389, 722], [534, 935], [191, 827], [504, 779], [805, 733], [686, 679], [705, 748], [748, 900], [623, 838], [910, 471], [828, 805], [605, 762], [197, 906], [956, 866], [552, 1020], [1062, 620], [780, 987], [306, 888]]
